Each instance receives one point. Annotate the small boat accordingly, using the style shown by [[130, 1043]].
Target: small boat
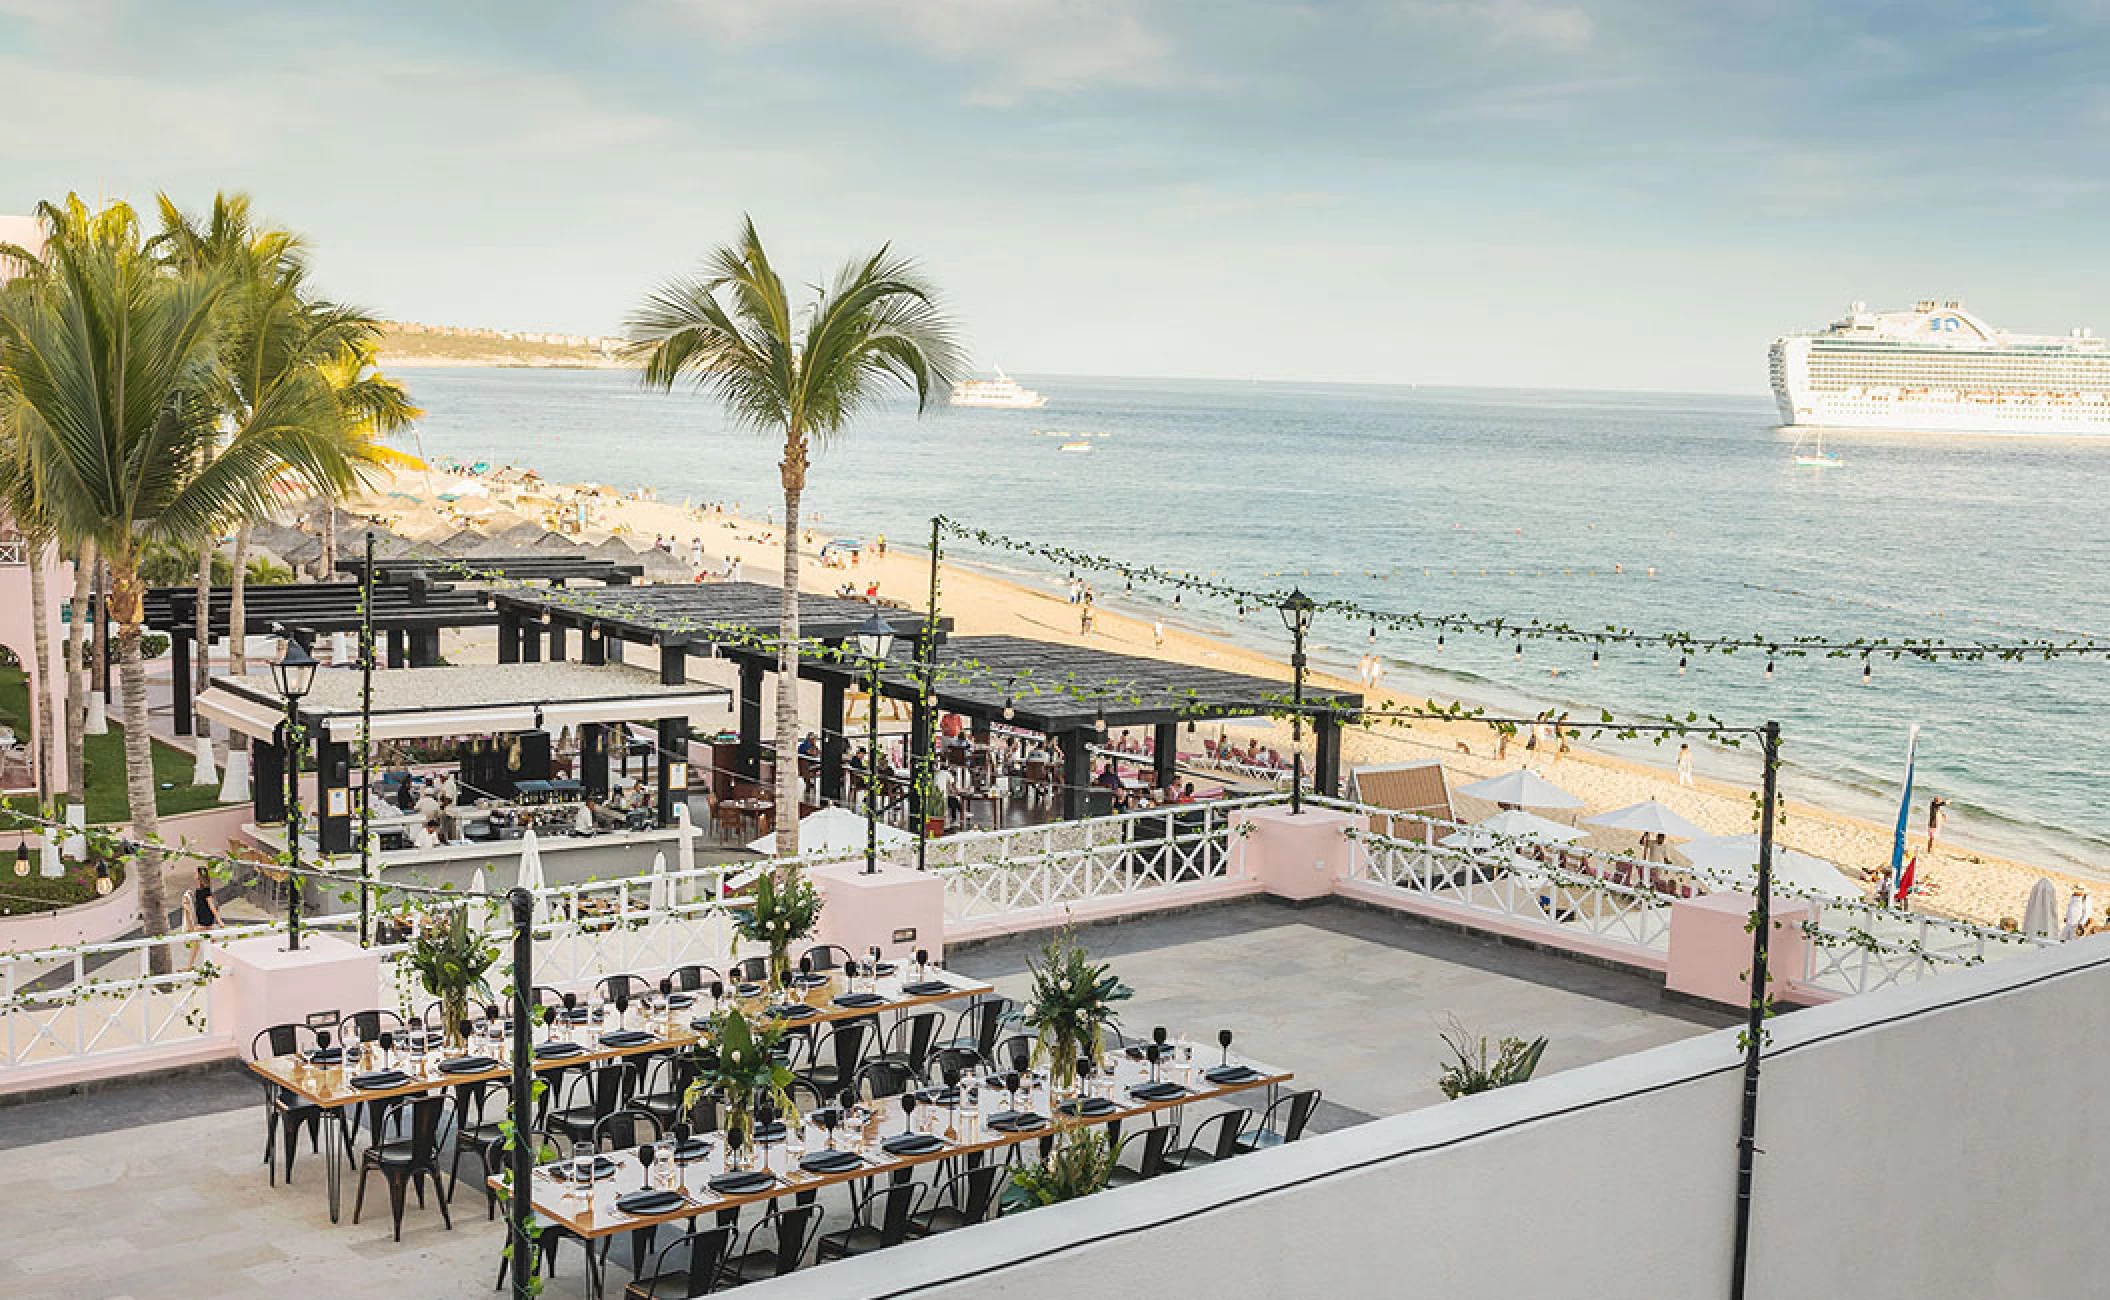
[[1817, 459], [1002, 393], [1076, 446]]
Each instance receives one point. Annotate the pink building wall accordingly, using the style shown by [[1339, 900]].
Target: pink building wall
[[17, 633]]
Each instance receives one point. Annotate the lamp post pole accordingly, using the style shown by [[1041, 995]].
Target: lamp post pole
[[1296, 613], [366, 722], [875, 638], [293, 674]]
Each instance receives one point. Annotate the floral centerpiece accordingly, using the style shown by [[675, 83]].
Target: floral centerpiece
[[783, 909], [744, 1064], [1071, 1007], [1080, 1163], [451, 960]]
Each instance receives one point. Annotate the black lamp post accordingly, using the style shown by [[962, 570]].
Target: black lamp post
[[874, 639], [293, 674], [1296, 616]]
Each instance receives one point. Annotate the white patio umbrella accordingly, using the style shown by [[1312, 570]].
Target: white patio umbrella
[[482, 913], [1508, 826], [656, 897], [48, 864], [76, 844], [531, 873], [1649, 817], [1522, 788], [2041, 916], [835, 830], [234, 782], [204, 771], [1735, 858], [685, 850]]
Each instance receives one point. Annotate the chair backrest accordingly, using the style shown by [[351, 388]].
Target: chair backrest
[[882, 1079], [889, 1210], [1014, 1053], [982, 1021], [632, 987], [473, 1100], [962, 1059], [973, 1192], [694, 977], [828, 956], [753, 970], [1225, 1141], [280, 1040], [1301, 1107], [789, 1232], [695, 1257], [369, 1024], [912, 1035], [847, 1042], [1150, 1156], [613, 1082], [624, 1129], [426, 1113]]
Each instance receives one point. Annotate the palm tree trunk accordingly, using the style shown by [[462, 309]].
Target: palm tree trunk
[[40, 680], [77, 642], [238, 606], [201, 664], [128, 607], [794, 475]]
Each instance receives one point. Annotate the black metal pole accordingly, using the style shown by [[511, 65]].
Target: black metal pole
[[1296, 724], [1755, 1020], [293, 876], [366, 759], [520, 1201], [927, 658], [872, 777]]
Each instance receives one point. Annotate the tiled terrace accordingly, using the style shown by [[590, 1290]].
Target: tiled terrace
[[154, 1188]]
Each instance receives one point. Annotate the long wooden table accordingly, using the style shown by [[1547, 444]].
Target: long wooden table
[[330, 1088], [595, 1214]]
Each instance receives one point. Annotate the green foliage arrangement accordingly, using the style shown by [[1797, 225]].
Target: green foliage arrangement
[[783, 909], [1081, 1163], [451, 960], [745, 1064], [1477, 1069], [1071, 1006]]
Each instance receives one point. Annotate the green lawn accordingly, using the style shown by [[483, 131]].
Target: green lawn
[[105, 758]]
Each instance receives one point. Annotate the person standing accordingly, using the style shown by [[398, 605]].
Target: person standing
[[1937, 818], [1685, 763], [2076, 914], [1157, 632]]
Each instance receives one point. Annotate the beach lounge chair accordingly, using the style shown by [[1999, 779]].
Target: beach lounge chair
[[1418, 791]]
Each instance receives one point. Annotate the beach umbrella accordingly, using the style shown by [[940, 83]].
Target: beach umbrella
[[1508, 826], [530, 877], [76, 844], [2041, 916], [204, 771], [685, 850], [1734, 859], [234, 781], [1649, 817], [48, 864], [482, 912], [1522, 788], [656, 898], [835, 830]]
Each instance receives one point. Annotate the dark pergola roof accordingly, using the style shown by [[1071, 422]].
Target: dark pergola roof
[[1054, 688], [557, 569], [320, 607], [723, 614]]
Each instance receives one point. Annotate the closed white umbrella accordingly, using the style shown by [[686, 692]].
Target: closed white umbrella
[[76, 845], [234, 782], [1649, 817], [48, 864], [835, 830], [1735, 859], [530, 877], [204, 771], [656, 898], [1522, 788], [2041, 916], [483, 914], [1507, 827], [685, 851]]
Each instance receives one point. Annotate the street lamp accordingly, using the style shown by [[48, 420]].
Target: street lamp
[[293, 675], [1296, 616], [875, 637]]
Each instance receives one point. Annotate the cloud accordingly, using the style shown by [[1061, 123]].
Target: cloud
[[1519, 24]]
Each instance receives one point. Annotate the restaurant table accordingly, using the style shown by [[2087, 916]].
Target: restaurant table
[[329, 1087], [961, 1134]]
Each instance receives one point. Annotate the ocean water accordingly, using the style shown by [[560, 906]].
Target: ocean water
[[1646, 511]]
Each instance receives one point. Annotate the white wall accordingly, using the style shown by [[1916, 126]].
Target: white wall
[[1929, 1141]]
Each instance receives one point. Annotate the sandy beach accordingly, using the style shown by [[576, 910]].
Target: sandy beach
[[1957, 880]]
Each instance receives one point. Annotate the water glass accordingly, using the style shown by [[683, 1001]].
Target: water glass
[[663, 1163], [582, 1154]]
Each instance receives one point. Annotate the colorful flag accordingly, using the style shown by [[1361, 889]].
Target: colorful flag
[[1897, 847], [1905, 880]]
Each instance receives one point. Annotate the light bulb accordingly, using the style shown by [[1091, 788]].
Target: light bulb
[[1867, 673], [1681, 665], [1439, 643], [1769, 670], [1594, 661]]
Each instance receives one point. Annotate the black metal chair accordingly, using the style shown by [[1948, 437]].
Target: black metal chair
[[960, 1059], [1148, 1147], [369, 1024], [979, 1024], [828, 956], [776, 1245], [607, 1087], [879, 1080], [662, 1083], [694, 978], [407, 1158], [880, 1218], [625, 1129], [632, 988], [480, 1109], [689, 1265], [835, 1056], [1014, 1053], [1282, 1124], [283, 1108], [910, 1040], [1214, 1140], [753, 970], [959, 1202]]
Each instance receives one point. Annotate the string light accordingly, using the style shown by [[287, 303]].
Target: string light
[[1439, 643], [1681, 665], [1010, 710], [1769, 670], [103, 883], [1594, 660], [1867, 673], [1519, 655], [22, 857], [1373, 634], [1099, 723]]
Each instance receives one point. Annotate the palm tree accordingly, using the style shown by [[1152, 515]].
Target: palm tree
[[799, 374], [110, 361], [20, 496]]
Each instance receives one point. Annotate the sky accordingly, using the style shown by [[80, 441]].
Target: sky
[[1509, 193]]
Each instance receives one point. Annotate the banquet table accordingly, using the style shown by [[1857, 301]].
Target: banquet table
[[960, 1134], [330, 1087]]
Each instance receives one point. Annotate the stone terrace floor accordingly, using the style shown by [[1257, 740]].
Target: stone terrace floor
[[155, 1189]]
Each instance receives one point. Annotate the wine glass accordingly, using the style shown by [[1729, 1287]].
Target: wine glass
[[1223, 1038], [717, 995], [1151, 1054], [646, 1153], [582, 1157], [682, 1133], [322, 1043], [571, 1004], [666, 996], [549, 1021], [665, 1157], [622, 1012], [735, 1143], [1159, 1035], [828, 1117], [922, 963], [387, 1040]]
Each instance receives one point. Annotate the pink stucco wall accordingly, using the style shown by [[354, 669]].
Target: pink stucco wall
[[17, 633]]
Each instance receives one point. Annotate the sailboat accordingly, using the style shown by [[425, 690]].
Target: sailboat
[[1817, 459]]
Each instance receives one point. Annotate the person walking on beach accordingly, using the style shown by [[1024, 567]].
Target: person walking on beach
[[2076, 914], [1937, 817], [1157, 632], [1685, 763]]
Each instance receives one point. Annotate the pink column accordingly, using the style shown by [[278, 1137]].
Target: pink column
[[1710, 947], [898, 909], [261, 984], [1295, 856]]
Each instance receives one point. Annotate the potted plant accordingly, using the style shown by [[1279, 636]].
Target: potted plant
[[1080, 1163], [1476, 1069], [1070, 1008], [934, 810], [451, 960], [745, 1064], [783, 909]]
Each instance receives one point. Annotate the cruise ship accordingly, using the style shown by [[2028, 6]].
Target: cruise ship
[[1940, 369], [1002, 392]]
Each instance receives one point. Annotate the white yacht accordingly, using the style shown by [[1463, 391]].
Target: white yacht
[[1940, 369], [1001, 393]]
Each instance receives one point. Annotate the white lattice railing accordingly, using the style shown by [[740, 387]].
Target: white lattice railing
[[14, 550]]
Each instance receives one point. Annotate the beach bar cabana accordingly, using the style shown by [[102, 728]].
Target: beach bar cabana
[[436, 703]]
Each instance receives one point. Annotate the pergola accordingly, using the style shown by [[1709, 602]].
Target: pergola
[[479, 699], [557, 570], [1065, 692]]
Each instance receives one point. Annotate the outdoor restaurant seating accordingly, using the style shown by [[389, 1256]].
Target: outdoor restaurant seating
[[690, 1265], [1143, 1154], [406, 1152], [960, 1201], [777, 1244], [284, 1110], [880, 1218], [1215, 1138]]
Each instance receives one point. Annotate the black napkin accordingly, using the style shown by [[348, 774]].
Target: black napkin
[[603, 1167], [375, 1079], [325, 1056], [648, 1201], [812, 981], [831, 1162], [939, 1097], [680, 1000], [912, 1144], [773, 1131], [1017, 1121], [468, 1065], [858, 1000], [1231, 1074], [883, 968], [701, 1024], [743, 1182], [625, 1038], [1137, 1053], [793, 1011], [558, 1047], [747, 990], [1088, 1106], [927, 989], [576, 1016], [690, 1151], [1163, 1090]]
